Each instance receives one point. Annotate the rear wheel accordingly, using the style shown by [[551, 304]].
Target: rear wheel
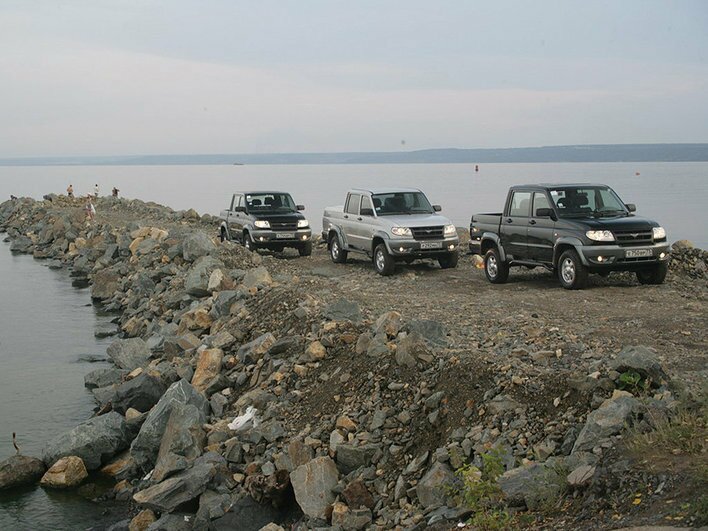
[[222, 234], [383, 262], [653, 275], [449, 260], [336, 253], [305, 249], [495, 269], [248, 242], [571, 271]]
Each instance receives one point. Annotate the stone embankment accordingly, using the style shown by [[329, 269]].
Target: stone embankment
[[244, 393]]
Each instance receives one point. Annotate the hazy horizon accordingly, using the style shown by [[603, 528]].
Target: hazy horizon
[[135, 77]]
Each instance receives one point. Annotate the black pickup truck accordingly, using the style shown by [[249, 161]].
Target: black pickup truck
[[267, 220], [571, 229]]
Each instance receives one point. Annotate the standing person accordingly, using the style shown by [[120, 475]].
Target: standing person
[[90, 209], [70, 191], [95, 190], [115, 191]]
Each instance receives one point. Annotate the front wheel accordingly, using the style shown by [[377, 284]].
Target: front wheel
[[222, 235], [248, 242], [495, 269], [383, 262], [449, 260], [571, 271], [305, 249], [336, 253], [653, 275]]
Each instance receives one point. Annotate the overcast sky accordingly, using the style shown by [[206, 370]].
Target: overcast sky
[[120, 77]]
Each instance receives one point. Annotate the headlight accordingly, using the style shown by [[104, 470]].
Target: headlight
[[600, 235], [262, 224], [450, 230], [659, 233], [302, 223], [401, 231]]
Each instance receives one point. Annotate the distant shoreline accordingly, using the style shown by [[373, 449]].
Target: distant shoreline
[[548, 154]]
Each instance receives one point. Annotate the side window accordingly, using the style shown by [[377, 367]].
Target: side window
[[520, 203], [539, 201], [238, 201], [365, 203], [353, 204]]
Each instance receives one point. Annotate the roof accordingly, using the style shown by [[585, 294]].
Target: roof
[[260, 192], [383, 190], [558, 185]]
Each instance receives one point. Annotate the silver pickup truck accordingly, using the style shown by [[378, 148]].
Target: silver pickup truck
[[389, 226]]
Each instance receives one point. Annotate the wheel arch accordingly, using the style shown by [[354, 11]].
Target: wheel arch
[[565, 243]]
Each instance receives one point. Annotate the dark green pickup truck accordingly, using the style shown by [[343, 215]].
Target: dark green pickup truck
[[571, 229]]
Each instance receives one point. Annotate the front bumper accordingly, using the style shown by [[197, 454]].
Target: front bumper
[[274, 238], [615, 257], [402, 248]]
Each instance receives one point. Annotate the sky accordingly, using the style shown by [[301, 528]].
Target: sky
[[124, 77]]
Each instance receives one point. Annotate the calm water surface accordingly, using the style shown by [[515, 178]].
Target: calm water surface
[[46, 327], [673, 193]]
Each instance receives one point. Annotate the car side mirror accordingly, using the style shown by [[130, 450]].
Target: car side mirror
[[437, 208], [545, 213], [366, 212], [239, 209], [631, 207], [300, 207]]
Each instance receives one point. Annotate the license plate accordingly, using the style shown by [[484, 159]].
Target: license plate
[[637, 253], [283, 235], [430, 245]]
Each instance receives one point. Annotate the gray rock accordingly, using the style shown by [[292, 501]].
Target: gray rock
[[247, 514], [129, 353], [196, 282], [501, 404], [20, 470], [173, 522], [254, 350], [350, 457], [106, 283], [141, 393], [529, 485], [223, 302], [21, 244], [432, 331], [642, 360], [169, 494], [104, 377], [146, 445], [343, 310], [94, 441], [581, 476], [433, 486], [183, 436], [609, 419], [196, 245], [257, 277], [313, 484]]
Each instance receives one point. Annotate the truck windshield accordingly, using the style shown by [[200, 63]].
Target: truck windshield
[[401, 203], [587, 201], [270, 202]]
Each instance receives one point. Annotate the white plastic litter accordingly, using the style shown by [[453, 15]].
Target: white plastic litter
[[246, 421]]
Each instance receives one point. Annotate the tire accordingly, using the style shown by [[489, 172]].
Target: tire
[[222, 235], [384, 263], [571, 271], [449, 260], [653, 275], [496, 271], [305, 249], [248, 242], [336, 253]]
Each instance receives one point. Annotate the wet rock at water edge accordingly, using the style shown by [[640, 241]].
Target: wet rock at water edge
[[66, 473], [169, 494], [20, 470], [129, 353], [141, 393]]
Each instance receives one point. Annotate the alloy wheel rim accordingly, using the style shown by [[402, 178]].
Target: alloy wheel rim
[[568, 271], [380, 260], [335, 249], [492, 266]]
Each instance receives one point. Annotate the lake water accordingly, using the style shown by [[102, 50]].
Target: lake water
[[673, 193], [46, 327]]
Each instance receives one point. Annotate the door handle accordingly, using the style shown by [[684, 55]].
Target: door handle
[[532, 222], [509, 220], [346, 217], [359, 219]]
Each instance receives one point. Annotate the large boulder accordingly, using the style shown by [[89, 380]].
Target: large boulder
[[182, 441], [530, 485], [129, 353], [105, 284], [196, 282], [94, 441], [643, 361], [197, 245], [141, 393], [20, 470], [66, 473], [607, 420], [313, 484], [167, 495], [350, 457], [21, 244], [146, 445], [434, 486], [104, 377], [257, 277]]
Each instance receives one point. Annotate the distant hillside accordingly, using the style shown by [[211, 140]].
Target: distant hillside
[[587, 153]]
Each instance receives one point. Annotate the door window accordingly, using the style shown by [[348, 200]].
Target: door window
[[353, 204], [520, 203], [366, 203], [539, 201], [238, 201]]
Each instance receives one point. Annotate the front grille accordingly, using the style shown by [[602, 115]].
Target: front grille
[[283, 225], [629, 238], [427, 233], [638, 259]]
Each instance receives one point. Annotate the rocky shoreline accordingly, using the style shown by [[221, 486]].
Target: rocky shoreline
[[257, 391]]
